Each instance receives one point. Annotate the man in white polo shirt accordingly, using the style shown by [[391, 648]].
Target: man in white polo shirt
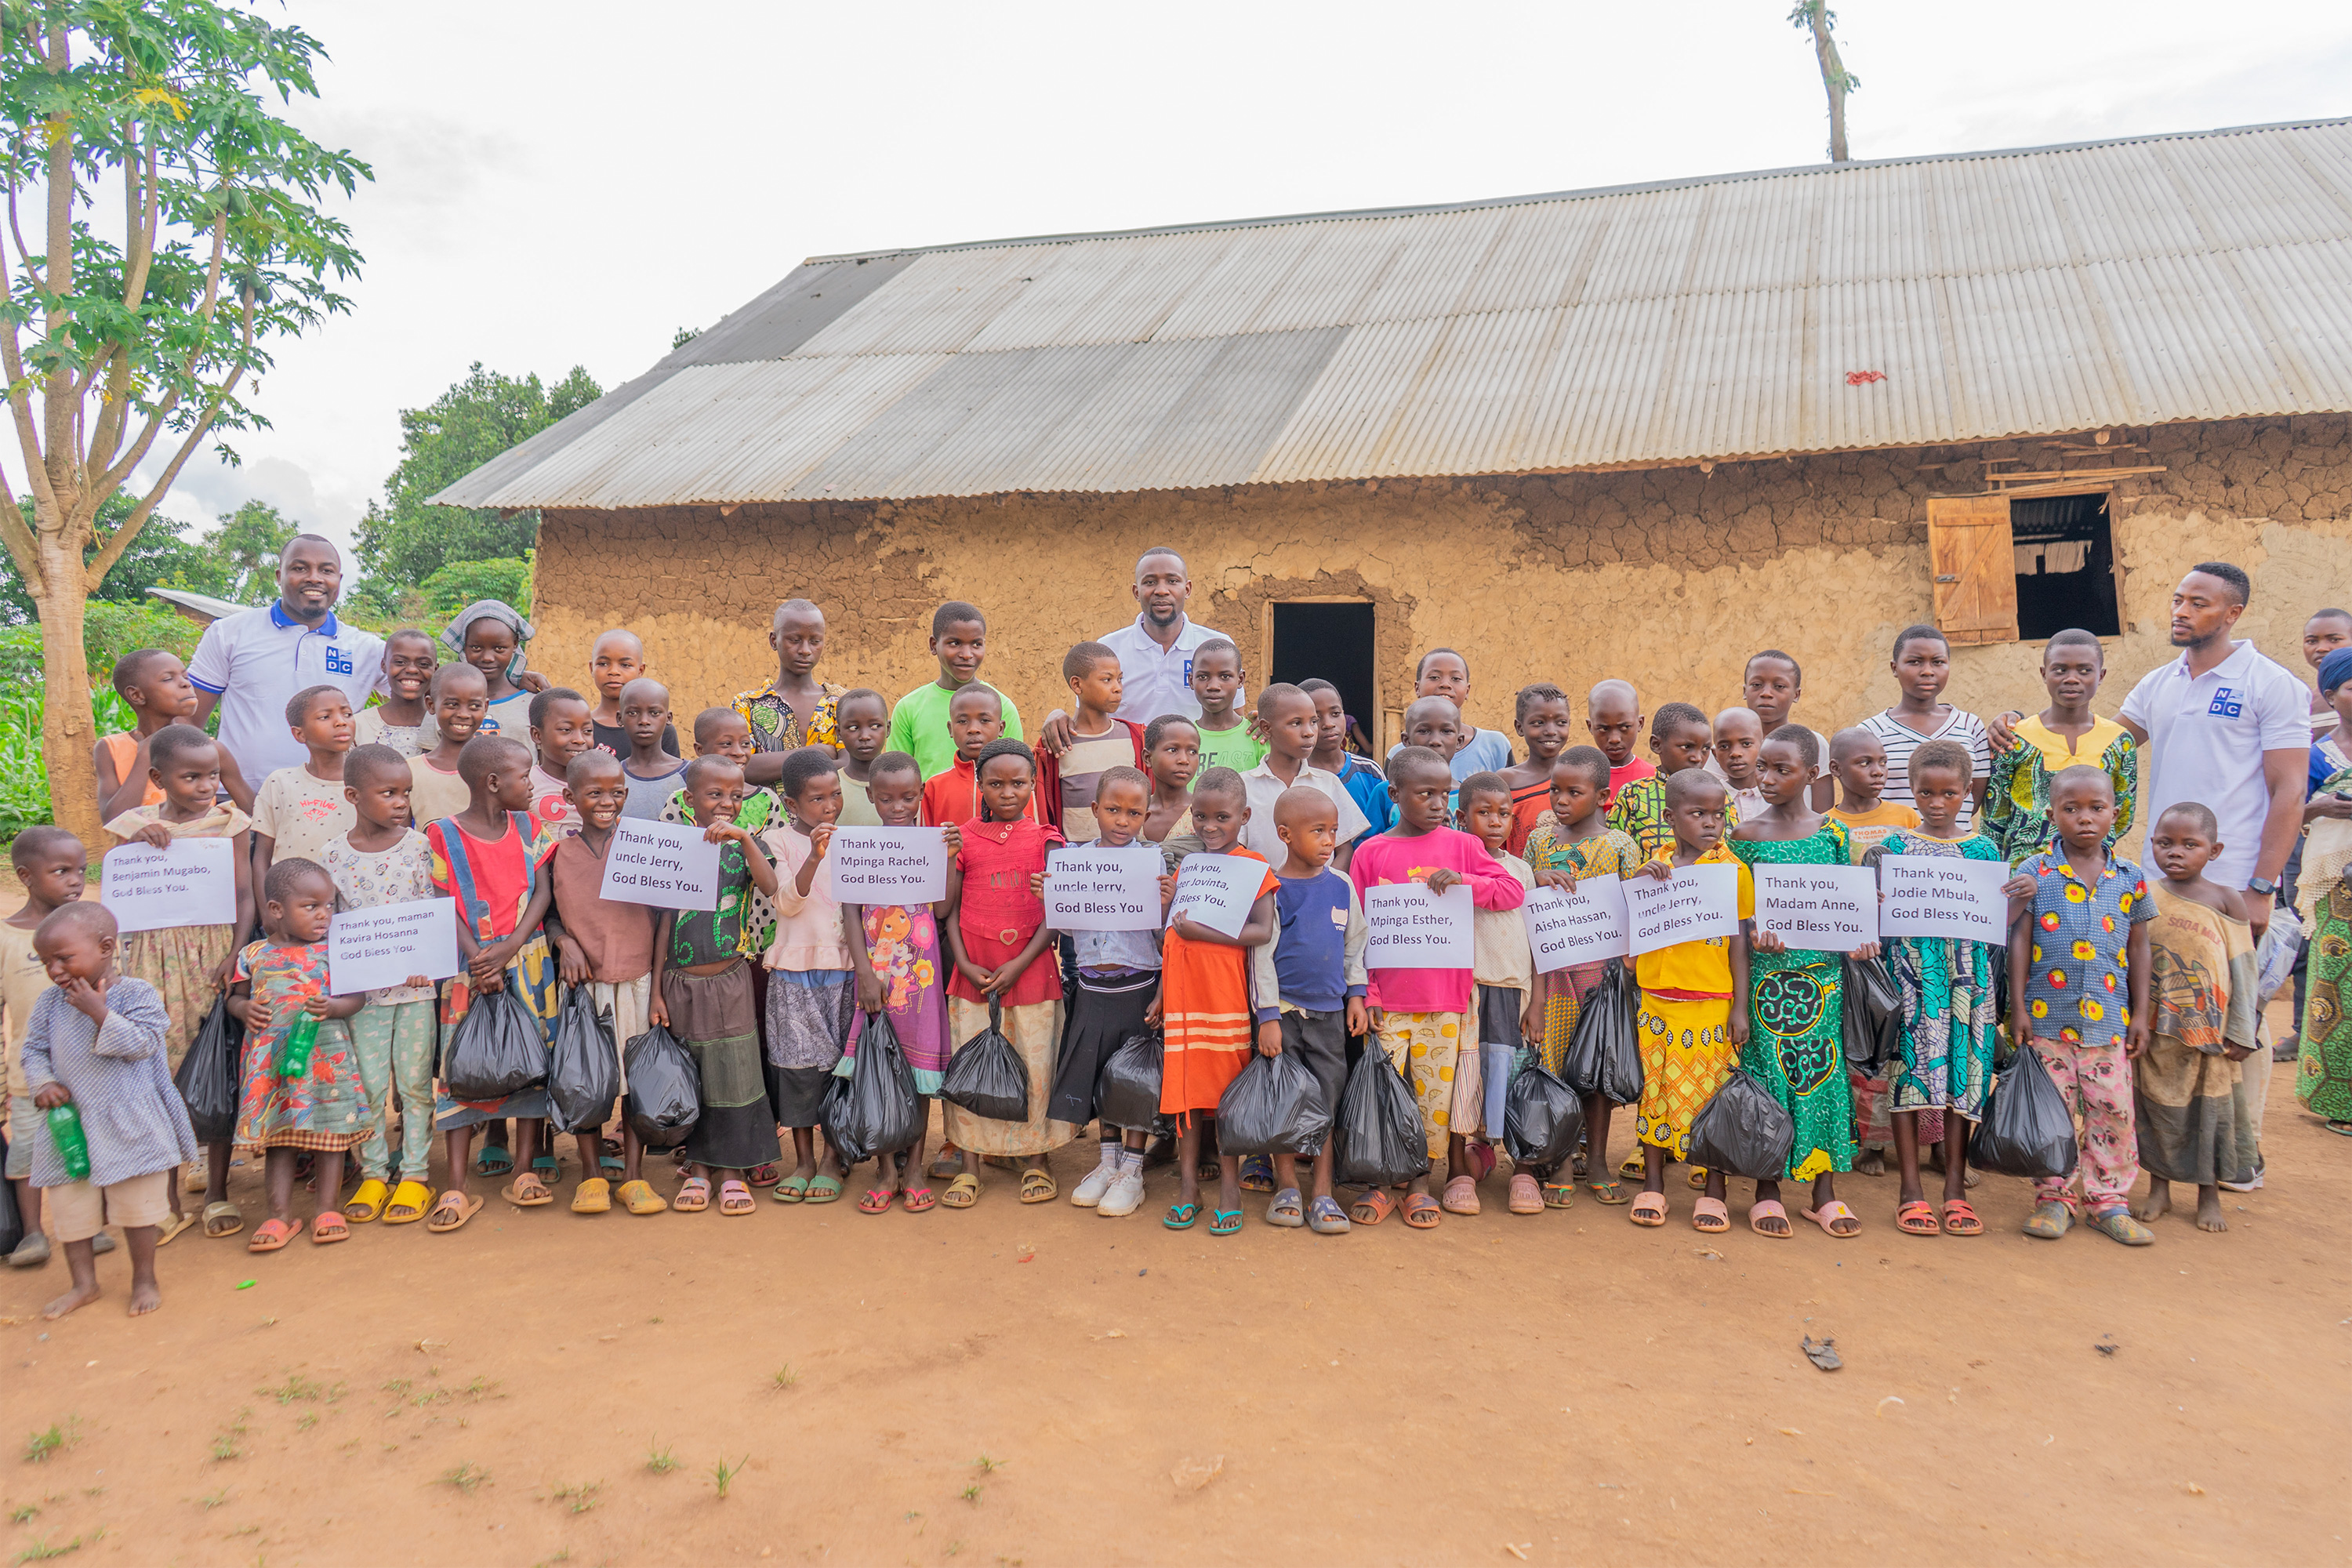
[[1155, 650]]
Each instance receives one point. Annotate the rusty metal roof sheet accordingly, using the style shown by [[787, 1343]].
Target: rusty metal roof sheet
[[2201, 276]]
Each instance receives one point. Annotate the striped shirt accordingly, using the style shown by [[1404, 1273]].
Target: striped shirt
[[1900, 740]]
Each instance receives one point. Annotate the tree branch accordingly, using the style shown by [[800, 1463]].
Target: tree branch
[[121, 538]]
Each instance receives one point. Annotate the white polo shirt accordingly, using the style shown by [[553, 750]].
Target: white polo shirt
[[1264, 789], [1154, 679], [2206, 737], [254, 662]]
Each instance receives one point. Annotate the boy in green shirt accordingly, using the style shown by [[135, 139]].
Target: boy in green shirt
[[918, 724], [1226, 738]]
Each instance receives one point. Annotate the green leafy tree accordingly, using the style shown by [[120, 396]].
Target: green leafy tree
[[407, 540], [461, 582], [164, 228], [245, 548], [162, 556]]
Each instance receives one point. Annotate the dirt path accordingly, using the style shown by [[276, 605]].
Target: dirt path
[[1567, 1385]]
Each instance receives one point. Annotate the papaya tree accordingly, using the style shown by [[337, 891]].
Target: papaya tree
[[164, 227]]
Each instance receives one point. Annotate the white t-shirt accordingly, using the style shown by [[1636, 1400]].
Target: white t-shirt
[[254, 662], [1265, 789], [1154, 679], [2206, 737], [1900, 740], [301, 814]]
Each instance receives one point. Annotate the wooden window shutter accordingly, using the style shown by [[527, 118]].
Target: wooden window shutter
[[1970, 551]]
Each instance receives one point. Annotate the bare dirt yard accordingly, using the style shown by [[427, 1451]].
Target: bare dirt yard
[[1038, 1386]]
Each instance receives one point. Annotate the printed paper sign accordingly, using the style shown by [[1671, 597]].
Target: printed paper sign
[[193, 883], [1096, 887], [1406, 926], [368, 949], [666, 864], [1930, 895], [1216, 890], [1586, 926], [887, 866], [1697, 902], [1829, 909]]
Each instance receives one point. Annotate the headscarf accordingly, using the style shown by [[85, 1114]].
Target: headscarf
[[506, 614], [2335, 670]]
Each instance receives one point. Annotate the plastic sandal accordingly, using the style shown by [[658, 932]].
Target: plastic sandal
[[824, 1189], [451, 1210], [1038, 1186], [409, 1202], [1181, 1216], [2051, 1220], [546, 1167], [274, 1234], [945, 1165], [1608, 1190], [878, 1200], [1286, 1210], [1482, 1160], [535, 1195], [173, 1223], [493, 1160], [1649, 1208], [1829, 1213], [735, 1200], [962, 1192], [1710, 1216], [611, 1163], [1527, 1195], [1374, 1207], [1460, 1198], [639, 1198], [1257, 1174], [593, 1195], [1225, 1222], [367, 1202], [1959, 1219], [2117, 1224], [1558, 1195], [790, 1190], [1697, 1179], [1916, 1219], [763, 1175], [329, 1229], [921, 1200], [1420, 1211], [1326, 1218], [693, 1196], [1770, 1208]]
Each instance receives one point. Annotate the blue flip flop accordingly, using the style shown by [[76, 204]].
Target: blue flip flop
[[1182, 1217], [493, 1160], [1225, 1222]]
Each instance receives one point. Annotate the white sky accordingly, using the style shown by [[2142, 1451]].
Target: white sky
[[568, 184]]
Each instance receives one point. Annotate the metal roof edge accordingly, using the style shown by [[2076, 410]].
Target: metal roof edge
[[1588, 194]]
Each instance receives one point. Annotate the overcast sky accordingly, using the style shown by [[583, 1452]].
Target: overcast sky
[[561, 185]]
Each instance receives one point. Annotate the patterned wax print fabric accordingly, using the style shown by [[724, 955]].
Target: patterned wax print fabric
[[2075, 987], [1561, 993], [2185, 1087], [775, 727], [324, 1109], [2017, 796], [1949, 1020], [1795, 1020]]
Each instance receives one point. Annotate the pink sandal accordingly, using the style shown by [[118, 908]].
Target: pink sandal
[[735, 1199], [1710, 1216], [1649, 1208], [1461, 1195], [1527, 1195], [1770, 1208], [693, 1196], [1829, 1213]]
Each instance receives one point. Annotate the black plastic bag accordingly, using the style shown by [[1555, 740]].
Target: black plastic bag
[[1602, 1056], [496, 1049], [875, 1110], [1383, 1139], [2027, 1130], [1872, 1022], [583, 1072], [1542, 1118], [1743, 1132], [209, 1075], [664, 1098], [12, 1222], [1126, 1095], [1274, 1106], [986, 1076]]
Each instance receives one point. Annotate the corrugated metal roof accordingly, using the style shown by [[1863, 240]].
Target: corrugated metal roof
[[2202, 276]]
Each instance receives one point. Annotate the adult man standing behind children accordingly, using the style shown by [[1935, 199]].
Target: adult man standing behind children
[[1155, 650]]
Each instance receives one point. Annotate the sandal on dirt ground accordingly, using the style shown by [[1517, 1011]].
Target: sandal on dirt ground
[[790, 1190], [1225, 1222], [1633, 1167], [1180, 1217], [526, 1192], [639, 1198], [1527, 1197], [962, 1192], [273, 1235], [408, 1203], [1916, 1219], [921, 1200], [367, 1202], [2051, 1220], [223, 1219], [1374, 1207], [547, 1168], [451, 1210], [172, 1225], [1559, 1194], [1649, 1208], [1326, 1218], [1698, 1178], [763, 1175], [1763, 1209], [693, 1196], [1210, 1169], [31, 1252], [593, 1195], [1038, 1186], [1829, 1215], [1959, 1219], [328, 1228], [1710, 1216], [1257, 1173], [735, 1199], [1286, 1210], [493, 1160], [1420, 1211], [1609, 1191], [824, 1188], [2117, 1224], [1461, 1196], [878, 1200], [947, 1165]]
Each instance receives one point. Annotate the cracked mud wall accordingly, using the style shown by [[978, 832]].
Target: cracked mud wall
[[1668, 577]]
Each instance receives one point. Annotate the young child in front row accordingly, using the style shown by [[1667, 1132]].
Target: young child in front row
[[54, 868], [1205, 1008], [1681, 739], [861, 719], [296, 810], [403, 720], [902, 972], [154, 684], [1949, 1018], [2187, 1086], [322, 1108], [384, 860], [95, 1041], [1542, 717], [703, 992], [1421, 1017], [1505, 971], [1692, 1020], [458, 698], [1858, 770], [2079, 978], [811, 979], [1309, 980]]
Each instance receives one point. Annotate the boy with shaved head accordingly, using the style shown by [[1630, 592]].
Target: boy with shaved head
[[1612, 717], [617, 659], [795, 709], [52, 865]]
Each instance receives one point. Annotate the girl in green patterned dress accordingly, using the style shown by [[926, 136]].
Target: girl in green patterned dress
[[1797, 994]]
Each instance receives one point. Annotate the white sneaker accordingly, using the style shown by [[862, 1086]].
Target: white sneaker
[[1097, 1183], [1125, 1196]]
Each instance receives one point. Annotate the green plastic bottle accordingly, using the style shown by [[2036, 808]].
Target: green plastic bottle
[[73, 1147], [294, 1056]]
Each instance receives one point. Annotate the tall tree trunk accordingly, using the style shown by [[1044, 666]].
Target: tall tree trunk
[[1834, 78], [68, 728]]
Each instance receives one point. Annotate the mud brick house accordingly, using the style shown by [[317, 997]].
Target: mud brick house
[[1638, 432]]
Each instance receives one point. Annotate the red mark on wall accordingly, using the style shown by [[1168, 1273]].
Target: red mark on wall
[[1863, 377]]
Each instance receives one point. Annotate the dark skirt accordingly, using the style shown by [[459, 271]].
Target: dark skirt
[[716, 1019], [1099, 1021], [1500, 1008], [796, 1095]]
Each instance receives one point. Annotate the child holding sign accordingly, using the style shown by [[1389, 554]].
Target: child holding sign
[[1692, 1021], [1420, 1015], [189, 966], [1858, 768], [812, 991], [1680, 738], [1505, 971], [1949, 1018], [384, 860], [1797, 995]]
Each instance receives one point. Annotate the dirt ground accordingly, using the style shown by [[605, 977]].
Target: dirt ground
[[1036, 1385]]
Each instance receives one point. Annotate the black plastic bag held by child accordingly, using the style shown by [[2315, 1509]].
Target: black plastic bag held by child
[[1542, 1119], [1743, 1131], [1274, 1106], [1126, 1095], [496, 1049], [1382, 1137], [208, 1075], [875, 1110], [1871, 1024], [665, 1096], [1602, 1056], [986, 1076], [2027, 1130], [583, 1072]]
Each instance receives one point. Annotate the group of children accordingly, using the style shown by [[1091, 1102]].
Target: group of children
[[2136, 996]]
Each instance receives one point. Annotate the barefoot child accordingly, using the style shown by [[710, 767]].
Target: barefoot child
[[52, 865], [188, 967], [296, 810], [812, 991], [1171, 755], [2078, 988], [1505, 973], [1422, 1018], [1541, 719], [1796, 995], [902, 970], [703, 992], [1922, 663], [1098, 739], [976, 719], [1692, 1020], [2186, 1085], [794, 709], [1204, 1002], [607, 946], [1572, 841], [384, 860], [1612, 717], [403, 720], [1363, 780], [1770, 689], [918, 724], [1681, 739], [560, 728], [491, 636], [653, 770], [323, 1108], [1738, 736], [2017, 798], [95, 1041], [862, 722], [1226, 738], [154, 684], [617, 658], [458, 697]]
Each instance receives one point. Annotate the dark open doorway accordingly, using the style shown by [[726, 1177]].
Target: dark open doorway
[[1333, 642], [2065, 566]]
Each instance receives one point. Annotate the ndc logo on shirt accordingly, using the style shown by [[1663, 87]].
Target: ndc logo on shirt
[[338, 661], [2227, 704], [1188, 670]]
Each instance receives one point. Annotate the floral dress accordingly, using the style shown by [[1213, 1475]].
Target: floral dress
[[902, 941], [325, 1109], [1796, 1020], [1609, 853], [1950, 1018]]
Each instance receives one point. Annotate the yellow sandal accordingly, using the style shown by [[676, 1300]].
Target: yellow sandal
[[962, 1192], [409, 1202], [367, 1204], [639, 1198], [593, 1195]]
